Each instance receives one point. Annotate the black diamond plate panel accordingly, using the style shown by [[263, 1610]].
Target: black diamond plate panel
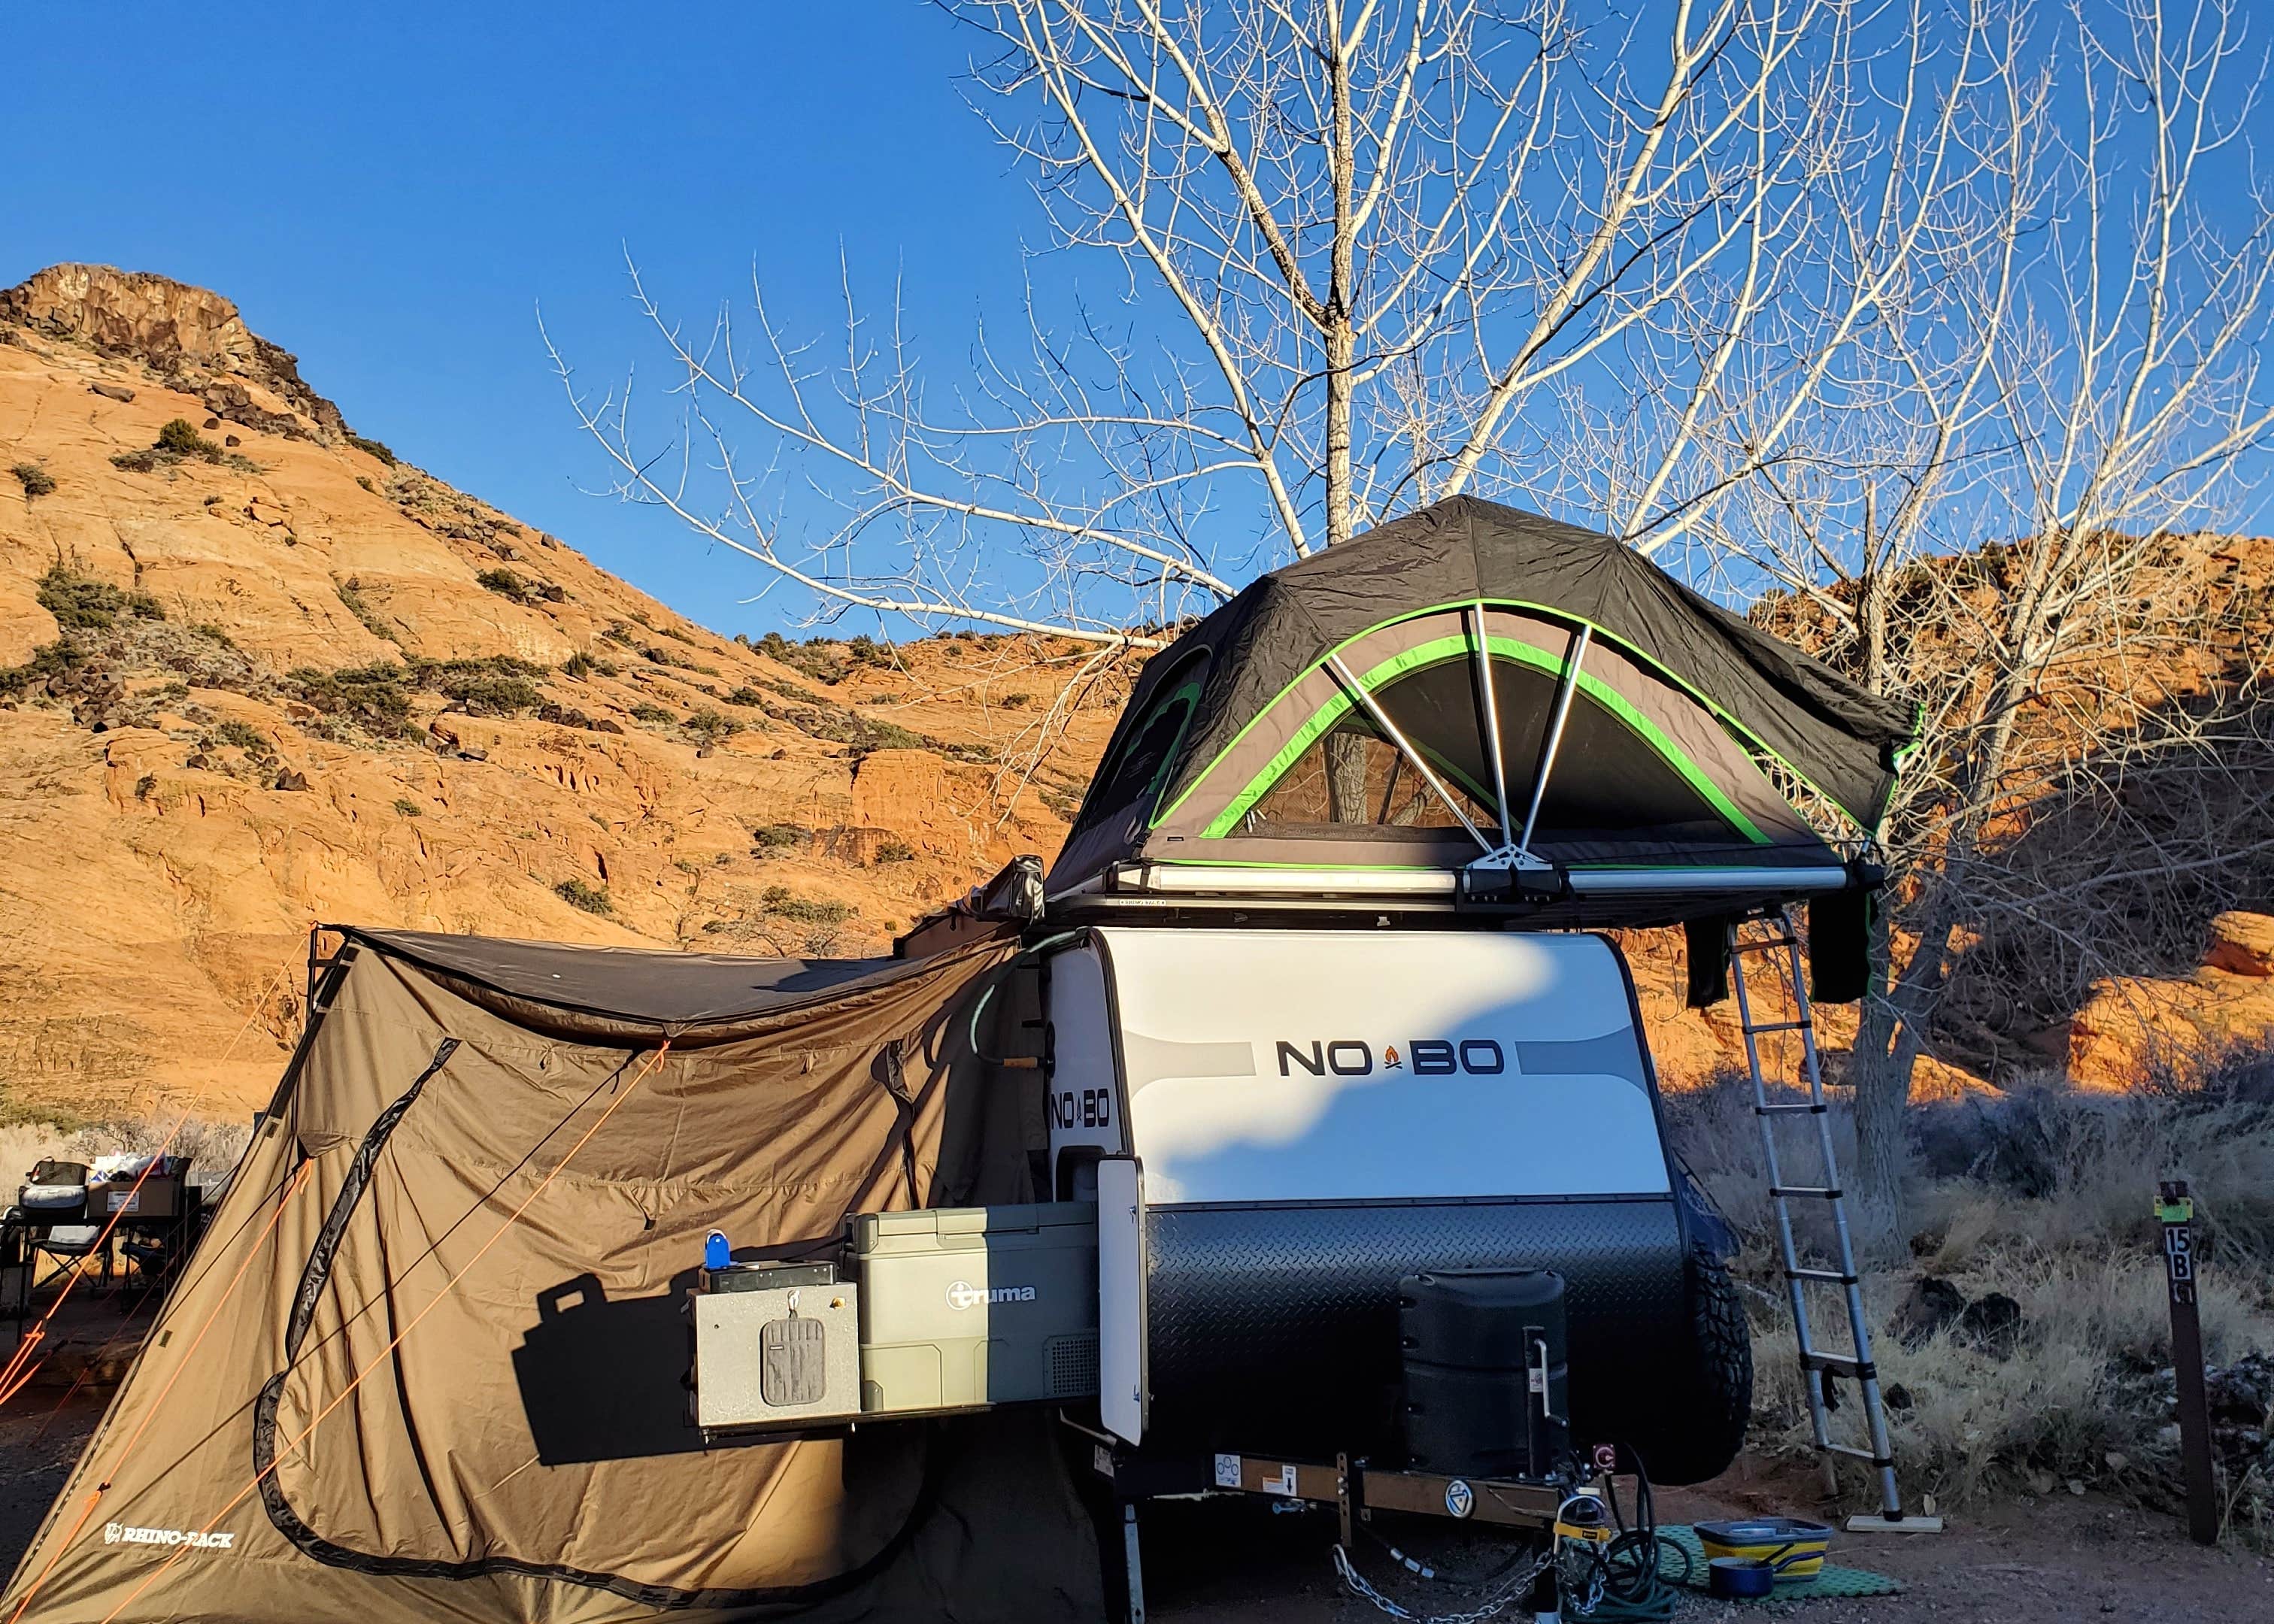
[[1276, 1328]]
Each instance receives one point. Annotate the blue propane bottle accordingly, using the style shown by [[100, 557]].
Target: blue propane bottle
[[716, 1253]]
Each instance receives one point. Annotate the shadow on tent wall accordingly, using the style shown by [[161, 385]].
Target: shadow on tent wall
[[603, 1380]]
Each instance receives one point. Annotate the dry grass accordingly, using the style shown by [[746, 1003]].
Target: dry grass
[[2045, 1196]]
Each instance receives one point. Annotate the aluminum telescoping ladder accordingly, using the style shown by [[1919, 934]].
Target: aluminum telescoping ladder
[[1816, 1363]]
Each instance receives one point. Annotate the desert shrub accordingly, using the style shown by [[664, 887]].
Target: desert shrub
[[352, 599], [498, 685], [180, 436], [746, 697], [49, 660], [242, 735], [712, 727], [81, 603], [896, 852], [2044, 1195], [408, 808], [36, 479], [779, 837], [576, 894], [817, 659], [782, 903], [374, 697], [364, 481], [371, 447], [578, 666], [505, 583], [146, 786], [646, 712]]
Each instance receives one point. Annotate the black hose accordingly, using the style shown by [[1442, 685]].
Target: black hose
[[1631, 1568]]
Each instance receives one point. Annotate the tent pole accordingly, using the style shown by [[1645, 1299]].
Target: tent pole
[[1491, 704], [1555, 735], [1390, 729]]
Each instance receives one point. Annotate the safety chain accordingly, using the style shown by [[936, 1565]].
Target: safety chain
[[1508, 1593], [1593, 1597]]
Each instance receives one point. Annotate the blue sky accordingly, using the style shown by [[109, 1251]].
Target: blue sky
[[390, 191]]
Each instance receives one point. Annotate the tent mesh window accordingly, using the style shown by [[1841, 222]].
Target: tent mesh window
[[1352, 774], [1602, 785], [1137, 772]]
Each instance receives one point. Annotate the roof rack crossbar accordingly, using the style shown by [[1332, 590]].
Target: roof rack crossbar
[[1193, 879]]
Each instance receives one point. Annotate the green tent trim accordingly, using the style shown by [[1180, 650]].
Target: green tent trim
[[1438, 651]]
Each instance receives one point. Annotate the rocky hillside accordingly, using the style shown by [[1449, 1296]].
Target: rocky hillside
[[257, 671]]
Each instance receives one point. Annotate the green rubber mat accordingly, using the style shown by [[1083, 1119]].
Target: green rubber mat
[[1832, 1581]]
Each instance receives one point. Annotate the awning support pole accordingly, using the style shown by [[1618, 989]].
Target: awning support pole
[[1554, 737], [1390, 730], [1491, 704]]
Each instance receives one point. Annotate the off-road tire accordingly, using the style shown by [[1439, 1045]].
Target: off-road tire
[[1702, 1420]]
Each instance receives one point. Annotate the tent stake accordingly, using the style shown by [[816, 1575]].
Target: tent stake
[[1382, 720], [1555, 738]]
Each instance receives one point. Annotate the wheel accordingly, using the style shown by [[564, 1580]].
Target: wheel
[[1701, 1424]]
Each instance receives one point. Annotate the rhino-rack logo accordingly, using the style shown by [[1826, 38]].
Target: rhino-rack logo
[[963, 1294], [120, 1534], [1426, 1057]]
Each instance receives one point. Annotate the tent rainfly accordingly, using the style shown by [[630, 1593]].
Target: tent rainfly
[[1471, 687], [426, 1362]]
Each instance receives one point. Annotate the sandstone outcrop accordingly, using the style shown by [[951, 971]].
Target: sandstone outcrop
[[194, 338], [2134, 1028], [295, 680]]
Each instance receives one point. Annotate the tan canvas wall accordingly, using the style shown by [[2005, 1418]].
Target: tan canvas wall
[[479, 1405]]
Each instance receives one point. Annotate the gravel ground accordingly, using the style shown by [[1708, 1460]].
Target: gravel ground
[[2047, 1561]]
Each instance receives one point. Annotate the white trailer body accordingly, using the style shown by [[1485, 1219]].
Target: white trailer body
[[1338, 1065]]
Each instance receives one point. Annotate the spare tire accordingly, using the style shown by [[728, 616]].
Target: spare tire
[[1701, 1420]]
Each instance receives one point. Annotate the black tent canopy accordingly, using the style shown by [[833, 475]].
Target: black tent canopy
[[1470, 689]]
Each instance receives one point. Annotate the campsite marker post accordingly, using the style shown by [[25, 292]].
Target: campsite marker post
[[2175, 1210]]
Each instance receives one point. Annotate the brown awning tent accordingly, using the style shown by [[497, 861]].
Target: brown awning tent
[[428, 1363]]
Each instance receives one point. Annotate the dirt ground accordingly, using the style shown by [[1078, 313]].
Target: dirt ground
[[2052, 1561]]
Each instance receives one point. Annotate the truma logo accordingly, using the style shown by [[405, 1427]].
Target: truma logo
[[964, 1294], [1424, 1056]]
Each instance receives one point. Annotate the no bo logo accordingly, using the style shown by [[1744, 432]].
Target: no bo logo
[[1089, 1108], [1430, 1057]]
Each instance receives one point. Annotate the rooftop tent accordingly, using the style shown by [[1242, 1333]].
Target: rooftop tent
[[426, 1362], [1335, 718]]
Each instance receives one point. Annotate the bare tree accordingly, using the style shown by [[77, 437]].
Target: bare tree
[[2002, 504], [1799, 295], [1356, 257]]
